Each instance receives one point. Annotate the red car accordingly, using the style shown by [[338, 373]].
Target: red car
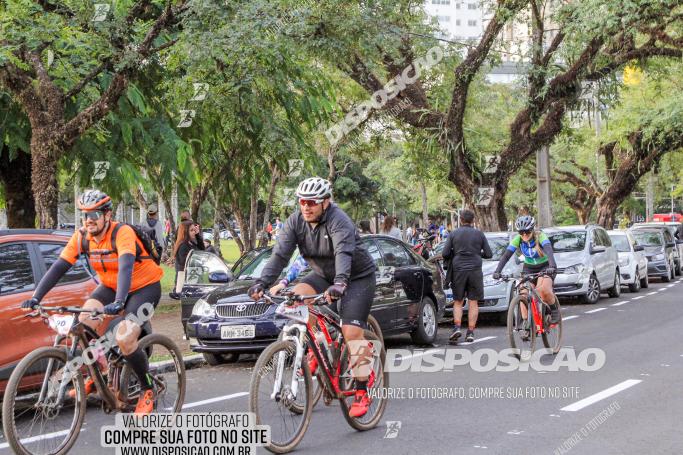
[[25, 256]]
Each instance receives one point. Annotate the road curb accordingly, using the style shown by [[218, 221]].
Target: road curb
[[190, 361]]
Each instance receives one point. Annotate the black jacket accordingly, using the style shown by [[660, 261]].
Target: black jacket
[[333, 248], [464, 250]]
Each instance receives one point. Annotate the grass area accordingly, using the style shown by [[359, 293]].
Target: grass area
[[231, 253]]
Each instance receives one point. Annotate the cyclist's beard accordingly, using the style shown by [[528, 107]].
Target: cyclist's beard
[[104, 229]]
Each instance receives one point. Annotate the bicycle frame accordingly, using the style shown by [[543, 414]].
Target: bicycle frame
[[536, 300]]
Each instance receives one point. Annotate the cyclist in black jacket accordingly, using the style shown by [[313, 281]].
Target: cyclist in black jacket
[[341, 265]]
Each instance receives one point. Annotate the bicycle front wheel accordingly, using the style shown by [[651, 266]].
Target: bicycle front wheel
[[521, 331], [273, 400], [552, 333], [36, 419], [167, 368]]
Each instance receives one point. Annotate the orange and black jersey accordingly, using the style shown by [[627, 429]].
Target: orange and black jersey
[[105, 261]]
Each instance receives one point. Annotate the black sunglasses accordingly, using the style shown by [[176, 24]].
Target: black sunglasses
[[525, 231], [94, 215]]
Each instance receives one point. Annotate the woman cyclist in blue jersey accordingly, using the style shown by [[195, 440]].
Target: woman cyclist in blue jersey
[[538, 257]]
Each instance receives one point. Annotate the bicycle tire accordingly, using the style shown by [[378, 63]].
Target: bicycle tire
[[512, 327], [144, 344], [8, 404], [262, 365], [354, 422], [558, 326]]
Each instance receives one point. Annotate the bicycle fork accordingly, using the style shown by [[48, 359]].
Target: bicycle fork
[[297, 334]]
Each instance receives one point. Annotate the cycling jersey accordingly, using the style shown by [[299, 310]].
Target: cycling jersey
[[529, 249], [105, 262]]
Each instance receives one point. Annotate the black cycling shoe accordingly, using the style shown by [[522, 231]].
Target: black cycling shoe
[[470, 336], [455, 335]]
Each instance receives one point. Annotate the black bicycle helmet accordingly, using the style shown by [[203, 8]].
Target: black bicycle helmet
[[525, 223], [94, 200]]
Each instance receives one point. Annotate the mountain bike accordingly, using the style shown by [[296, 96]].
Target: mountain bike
[[522, 332], [45, 398], [281, 390]]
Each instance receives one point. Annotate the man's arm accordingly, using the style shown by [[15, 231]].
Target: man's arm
[[159, 234], [343, 233], [548, 250], [486, 249], [282, 252], [447, 252], [125, 248], [66, 260]]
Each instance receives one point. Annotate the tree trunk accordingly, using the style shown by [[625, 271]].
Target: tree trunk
[[139, 195], [217, 228], [44, 157], [269, 205], [607, 208], [489, 213], [245, 241], [236, 237], [197, 196], [15, 176], [425, 207], [253, 216]]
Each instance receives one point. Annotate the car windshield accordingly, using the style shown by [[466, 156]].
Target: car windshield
[[255, 269], [498, 246], [648, 238], [620, 242], [568, 241]]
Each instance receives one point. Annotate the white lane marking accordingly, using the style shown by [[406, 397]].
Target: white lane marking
[[212, 400], [638, 298], [645, 374], [478, 340], [554, 415], [595, 310], [651, 293], [670, 285], [665, 365], [620, 303], [601, 395], [569, 317], [663, 289], [515, 432], [419, 354], [56, 434]]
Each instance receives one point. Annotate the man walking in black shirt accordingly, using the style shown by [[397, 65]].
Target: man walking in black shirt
[[463, 252]]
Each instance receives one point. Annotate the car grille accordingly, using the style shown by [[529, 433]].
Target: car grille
[[241, 310]]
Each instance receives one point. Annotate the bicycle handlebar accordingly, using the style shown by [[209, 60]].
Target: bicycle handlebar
[[524, 277], [289, 297]]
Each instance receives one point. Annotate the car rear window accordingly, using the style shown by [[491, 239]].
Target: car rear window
[[620, 242], [16, 273], [568, 241], [648, 238], [50, 253]]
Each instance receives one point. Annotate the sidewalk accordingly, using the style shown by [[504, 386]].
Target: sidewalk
[[166, 320]]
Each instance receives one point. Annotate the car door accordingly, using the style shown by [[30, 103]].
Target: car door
[[384, 304], [408, 280], [600, 260], [18, 277], [639, 255], [611, 257]]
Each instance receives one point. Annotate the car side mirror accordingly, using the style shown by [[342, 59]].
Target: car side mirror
[[218, 277], [598, 249], [638, 248]]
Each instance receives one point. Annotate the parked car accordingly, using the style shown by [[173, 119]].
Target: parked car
[[676, 231], [25, 256], [659, 252], [632, 260], [497, 294], [587, 263], [225, 322]]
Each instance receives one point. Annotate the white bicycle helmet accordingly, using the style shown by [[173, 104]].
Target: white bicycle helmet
[[314, 188]]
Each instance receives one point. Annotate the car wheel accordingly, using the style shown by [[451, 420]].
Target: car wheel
[[615, 291], [217, 359], [645, 281], [593, 294], [425, 333], [637, 282]]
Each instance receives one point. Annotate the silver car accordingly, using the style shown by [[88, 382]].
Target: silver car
[[632, 259], [497, 294], [587, 263]]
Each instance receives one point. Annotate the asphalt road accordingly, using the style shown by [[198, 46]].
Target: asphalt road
[[632, 405]]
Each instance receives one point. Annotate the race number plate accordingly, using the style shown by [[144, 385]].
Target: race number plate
[[61, 323], [297, 313], [230, 332]]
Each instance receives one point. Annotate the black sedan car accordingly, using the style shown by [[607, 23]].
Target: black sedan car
[[221, 321]]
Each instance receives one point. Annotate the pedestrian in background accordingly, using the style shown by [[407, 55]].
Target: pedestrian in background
[[188, 238], [364, 227], [463, 252], [388, 228], [154, 230]]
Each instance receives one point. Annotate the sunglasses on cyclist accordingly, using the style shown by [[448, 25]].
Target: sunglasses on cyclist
[[525, 232], [310, 202], [94, 215]]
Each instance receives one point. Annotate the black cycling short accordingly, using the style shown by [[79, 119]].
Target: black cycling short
[[535, 268], [356, 302], [148, 294], [468, 283]]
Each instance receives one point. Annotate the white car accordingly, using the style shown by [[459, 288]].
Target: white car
[[632, 260]]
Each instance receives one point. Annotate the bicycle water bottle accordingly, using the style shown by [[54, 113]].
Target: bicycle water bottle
[[324, 346]]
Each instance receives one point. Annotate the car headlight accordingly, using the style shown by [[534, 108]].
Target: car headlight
[[203, 308], [572, 269], [624, 262], [658, 257]]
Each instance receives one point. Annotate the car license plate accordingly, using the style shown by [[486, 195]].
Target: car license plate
[[237, 331]]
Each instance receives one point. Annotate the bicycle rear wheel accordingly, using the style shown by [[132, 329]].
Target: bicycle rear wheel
[[552, 334], [288, 415], [35, 419], [521, 332], [379, 379], [167, 368]]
